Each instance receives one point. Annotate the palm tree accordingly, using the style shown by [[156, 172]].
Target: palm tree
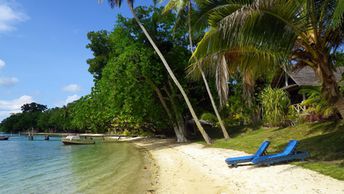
[[300, 33], [114, 3], [179, 6], [213, 55]]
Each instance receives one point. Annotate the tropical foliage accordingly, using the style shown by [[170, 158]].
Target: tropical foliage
[[26, 120], [275, 103], [100, 45], [317, 107], [251, 35], [132, 92], [141, 68], [209, 117], [114, 3], [181, 6]]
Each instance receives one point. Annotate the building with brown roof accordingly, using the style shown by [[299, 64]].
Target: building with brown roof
[[292, 81]]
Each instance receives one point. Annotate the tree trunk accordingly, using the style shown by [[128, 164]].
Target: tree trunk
[[340, 106], [329, 83], [179, 129], [256, 116], [180, 124], [177, 126], [170, 72], [249, 82], [223, 128], [329, 86]]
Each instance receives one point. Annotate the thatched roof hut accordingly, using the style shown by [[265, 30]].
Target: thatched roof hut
[[291, 81]]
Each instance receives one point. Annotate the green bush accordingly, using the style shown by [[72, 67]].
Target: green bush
[[209, 117], [275, 103], [318, 107], [293, 116], [238, 112]]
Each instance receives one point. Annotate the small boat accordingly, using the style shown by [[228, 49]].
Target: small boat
[[4, 137], [76, 140]]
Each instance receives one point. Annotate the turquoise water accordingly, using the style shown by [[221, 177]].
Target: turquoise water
[[50, 167]]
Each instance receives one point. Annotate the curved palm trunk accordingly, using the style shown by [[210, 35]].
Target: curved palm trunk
[[340, 106], [169, 70], [330, 88], [223, 128]]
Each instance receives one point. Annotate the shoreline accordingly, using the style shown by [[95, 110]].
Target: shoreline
[[149, 165], [195, 168]]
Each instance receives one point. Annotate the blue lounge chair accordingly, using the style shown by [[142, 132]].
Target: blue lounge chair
[[289, 154], [236, 160]]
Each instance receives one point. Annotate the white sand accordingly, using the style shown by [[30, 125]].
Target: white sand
[[192, 168]]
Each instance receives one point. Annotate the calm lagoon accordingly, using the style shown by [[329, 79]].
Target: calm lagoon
[[50, 167]]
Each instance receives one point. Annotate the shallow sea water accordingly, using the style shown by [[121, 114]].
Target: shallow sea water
[[50, 167]]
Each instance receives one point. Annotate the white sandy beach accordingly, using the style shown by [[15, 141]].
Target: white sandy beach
[[193, 168]]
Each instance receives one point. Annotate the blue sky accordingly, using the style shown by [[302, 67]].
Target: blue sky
[[42, 49]]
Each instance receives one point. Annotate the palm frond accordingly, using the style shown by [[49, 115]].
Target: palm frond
[[117, 3], [249, 60], [315, 102], [176, 5], [215, 10], [249, 56], [265, 22], [338, 15]]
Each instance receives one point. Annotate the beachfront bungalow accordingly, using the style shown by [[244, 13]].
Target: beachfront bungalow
[[293, 81]]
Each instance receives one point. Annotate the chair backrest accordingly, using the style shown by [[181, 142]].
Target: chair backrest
[[290, 147], [262, 148]]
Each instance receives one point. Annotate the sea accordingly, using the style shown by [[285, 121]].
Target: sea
[[41, 166]]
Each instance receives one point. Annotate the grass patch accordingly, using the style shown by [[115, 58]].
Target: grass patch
[[328, 168], [324, 141]]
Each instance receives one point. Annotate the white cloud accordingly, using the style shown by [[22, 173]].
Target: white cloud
[[71, 99], [2, 64], [68, 100], [73, 88], [9, 15], [7, 107], [8, 81]]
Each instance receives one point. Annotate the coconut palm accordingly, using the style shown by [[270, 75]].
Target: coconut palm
[[304, 32], [218, 59], [180, 6], [117, 3]]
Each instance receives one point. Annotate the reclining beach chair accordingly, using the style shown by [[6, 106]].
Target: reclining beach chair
[[243, 159], [289, 154]]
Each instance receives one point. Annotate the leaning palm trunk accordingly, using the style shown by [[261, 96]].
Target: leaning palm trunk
[[179, 126], [169, 70], [177, 122], [224, 131]]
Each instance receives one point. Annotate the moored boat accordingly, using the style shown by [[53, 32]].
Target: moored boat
[[4, 137], [76, 140]]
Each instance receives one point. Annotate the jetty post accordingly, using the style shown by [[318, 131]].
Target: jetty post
[[30, 135]]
